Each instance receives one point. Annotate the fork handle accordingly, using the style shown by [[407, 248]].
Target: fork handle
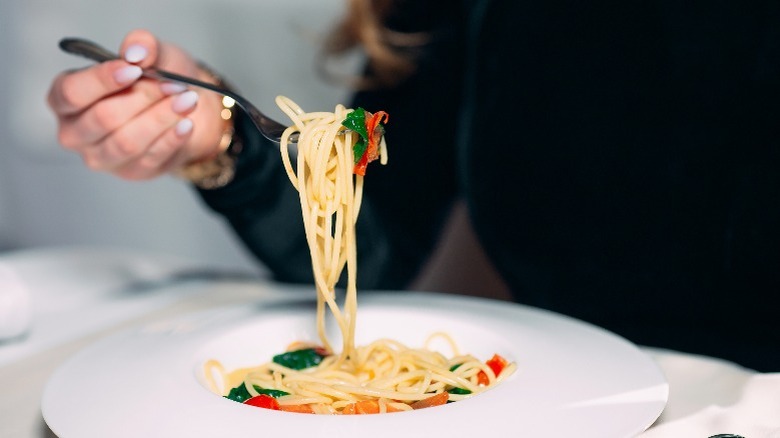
[[269, 128], [87, 49], [95, 52]]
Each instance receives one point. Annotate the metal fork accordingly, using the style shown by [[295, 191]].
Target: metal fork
[[269, 128]]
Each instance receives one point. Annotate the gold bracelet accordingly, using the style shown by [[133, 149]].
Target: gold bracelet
[[218, 171]]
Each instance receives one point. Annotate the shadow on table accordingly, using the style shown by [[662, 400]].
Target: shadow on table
[[44, 431]]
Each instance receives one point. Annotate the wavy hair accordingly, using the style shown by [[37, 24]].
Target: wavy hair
[[390, 54]]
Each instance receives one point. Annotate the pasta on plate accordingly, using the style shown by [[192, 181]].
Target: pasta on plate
[[333, 151]]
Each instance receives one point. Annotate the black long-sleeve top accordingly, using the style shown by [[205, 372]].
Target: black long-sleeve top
[[619, 160]]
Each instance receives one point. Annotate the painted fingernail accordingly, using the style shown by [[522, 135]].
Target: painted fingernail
[[127, 74], [170, 88], [135, 53], [183, 127], [185, 101]]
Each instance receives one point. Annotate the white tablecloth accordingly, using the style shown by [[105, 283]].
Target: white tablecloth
[[79, 295]]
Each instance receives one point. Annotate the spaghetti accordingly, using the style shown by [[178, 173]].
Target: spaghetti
[[384, 376]]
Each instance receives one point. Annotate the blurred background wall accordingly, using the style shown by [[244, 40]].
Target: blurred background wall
[[49, 198]]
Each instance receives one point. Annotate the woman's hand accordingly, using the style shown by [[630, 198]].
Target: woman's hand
[[133, 127]]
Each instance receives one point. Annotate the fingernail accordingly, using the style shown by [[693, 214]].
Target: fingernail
[[183, 127], [185, 101], [170, 88], [127, 74], [135, 53]]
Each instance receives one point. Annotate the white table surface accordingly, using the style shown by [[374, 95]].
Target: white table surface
[[80, 295]]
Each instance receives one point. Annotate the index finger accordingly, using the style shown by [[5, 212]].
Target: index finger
[[75, 91]]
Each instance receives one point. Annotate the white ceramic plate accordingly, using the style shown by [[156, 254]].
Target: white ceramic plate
[[573, 379]]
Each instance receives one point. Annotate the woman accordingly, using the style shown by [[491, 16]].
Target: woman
[[618, 159]]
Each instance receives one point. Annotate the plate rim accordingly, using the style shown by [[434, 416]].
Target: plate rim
[[377, 299]]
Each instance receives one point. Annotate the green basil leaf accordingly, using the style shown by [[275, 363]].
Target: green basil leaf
[[241, 394], [457, 390], [356, 121], [359, 149], [299, 359]]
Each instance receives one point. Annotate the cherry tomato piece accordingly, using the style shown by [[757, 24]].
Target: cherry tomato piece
[[263, 401]]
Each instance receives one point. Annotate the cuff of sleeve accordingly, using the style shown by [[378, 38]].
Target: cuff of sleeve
[[256, 169]]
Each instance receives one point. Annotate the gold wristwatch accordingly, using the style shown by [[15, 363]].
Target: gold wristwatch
[[218, 171]]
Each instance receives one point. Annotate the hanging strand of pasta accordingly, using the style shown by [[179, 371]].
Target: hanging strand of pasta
[[328, 191]]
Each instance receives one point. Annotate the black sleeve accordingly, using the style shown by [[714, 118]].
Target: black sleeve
[[262, 207]]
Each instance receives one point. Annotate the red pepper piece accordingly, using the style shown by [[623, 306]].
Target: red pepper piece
[[263, 401], [497, 364], [375, 133]]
